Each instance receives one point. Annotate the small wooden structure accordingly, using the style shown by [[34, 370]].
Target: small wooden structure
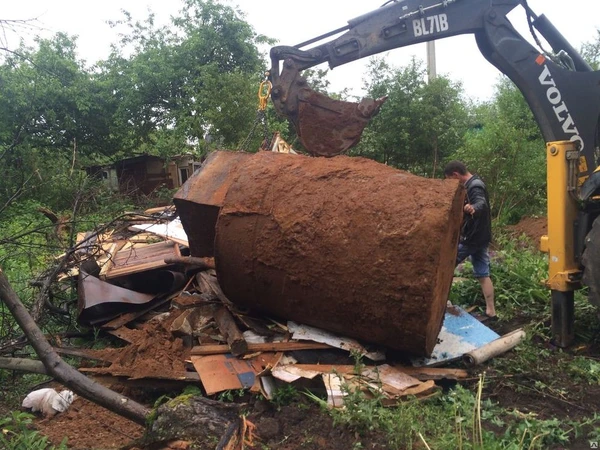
[[144, 174]]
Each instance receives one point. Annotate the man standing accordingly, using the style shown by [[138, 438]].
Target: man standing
[[476, 231]]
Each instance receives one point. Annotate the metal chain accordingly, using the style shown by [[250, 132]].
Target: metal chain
[[264, 91], [261, 118]]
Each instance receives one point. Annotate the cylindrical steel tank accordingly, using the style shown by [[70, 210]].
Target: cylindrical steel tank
[[345, 244]]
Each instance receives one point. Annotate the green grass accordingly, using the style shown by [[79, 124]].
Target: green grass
[[463, 418], [460, 419], [17, 434]]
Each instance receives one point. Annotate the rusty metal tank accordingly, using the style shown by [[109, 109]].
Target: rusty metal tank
[[345, 244]]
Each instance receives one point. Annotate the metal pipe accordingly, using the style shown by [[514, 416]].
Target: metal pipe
[[558, 42]]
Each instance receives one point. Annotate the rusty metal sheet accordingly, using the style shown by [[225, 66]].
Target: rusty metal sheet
[[200, 199], [99, 301], [209, 184]]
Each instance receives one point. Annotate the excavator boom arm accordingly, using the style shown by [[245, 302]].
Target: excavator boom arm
[[564, 101]]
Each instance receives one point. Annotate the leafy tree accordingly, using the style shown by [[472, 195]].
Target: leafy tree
[[591, 51], [197, 76], [161, 91], [51, 113], [420, 124]]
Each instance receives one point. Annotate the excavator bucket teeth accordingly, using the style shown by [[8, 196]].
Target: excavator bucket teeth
[[328, 127]]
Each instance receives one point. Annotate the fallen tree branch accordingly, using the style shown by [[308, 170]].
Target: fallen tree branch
[[63, 372], [22, 364]]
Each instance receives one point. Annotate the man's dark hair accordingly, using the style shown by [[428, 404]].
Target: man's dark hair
[[455, 166]]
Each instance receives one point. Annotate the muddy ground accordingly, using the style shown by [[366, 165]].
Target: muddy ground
[[302, 425]]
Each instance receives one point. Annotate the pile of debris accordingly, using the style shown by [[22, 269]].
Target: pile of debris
[[138, 283], [275, 269]]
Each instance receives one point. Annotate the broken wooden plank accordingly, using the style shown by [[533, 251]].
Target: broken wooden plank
[[145, 238], [434, 373], [420, 373], [186, 300], [130, 261], [393, 380], [423, 389], [126, 318], [217, 349], [160, 209], [220, 373], [107, 261], [208, 283], [327, 368], [230, 331]]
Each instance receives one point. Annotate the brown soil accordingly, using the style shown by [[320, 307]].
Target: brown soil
[[303, 425], [532, 228], [154, 353], [89, 426]]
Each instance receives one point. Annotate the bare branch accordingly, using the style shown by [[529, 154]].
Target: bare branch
[[24, 365], [63, 372]]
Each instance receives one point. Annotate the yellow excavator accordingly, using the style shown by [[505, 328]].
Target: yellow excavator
[[562, 90]]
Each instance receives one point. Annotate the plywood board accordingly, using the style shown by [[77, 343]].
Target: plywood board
[[220, 373], [135, 260]]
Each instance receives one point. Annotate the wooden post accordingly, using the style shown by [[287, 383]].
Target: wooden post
[[230, 331]]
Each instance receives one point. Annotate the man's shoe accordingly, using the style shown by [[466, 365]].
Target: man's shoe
[[486, 318]]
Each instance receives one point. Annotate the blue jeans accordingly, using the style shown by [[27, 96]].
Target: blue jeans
[[479, 257]]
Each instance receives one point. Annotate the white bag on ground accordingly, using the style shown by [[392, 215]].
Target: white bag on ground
[[48, 401]]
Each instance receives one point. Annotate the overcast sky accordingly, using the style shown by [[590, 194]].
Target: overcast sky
[[294, 21]]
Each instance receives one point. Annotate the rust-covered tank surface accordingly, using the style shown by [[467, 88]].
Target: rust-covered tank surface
[[201, 197], [345, 244]]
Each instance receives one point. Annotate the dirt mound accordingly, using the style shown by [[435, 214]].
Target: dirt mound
[[88, 426], [153, 352], [533, 228]]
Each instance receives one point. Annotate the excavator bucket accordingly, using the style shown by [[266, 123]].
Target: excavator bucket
[[328, 127]]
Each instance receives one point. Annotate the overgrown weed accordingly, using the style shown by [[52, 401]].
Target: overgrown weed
[[17, 434], [459, 420]]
